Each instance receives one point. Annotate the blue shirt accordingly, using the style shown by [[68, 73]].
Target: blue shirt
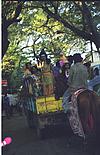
[[6, 100], [93, 82]]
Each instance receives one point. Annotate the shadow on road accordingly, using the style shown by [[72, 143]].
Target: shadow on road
[[25, 141]]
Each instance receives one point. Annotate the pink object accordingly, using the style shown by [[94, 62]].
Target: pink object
[[61, 63], [6, 141]]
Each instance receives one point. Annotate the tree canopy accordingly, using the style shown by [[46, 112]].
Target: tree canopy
[[29, 26], [78, 19]]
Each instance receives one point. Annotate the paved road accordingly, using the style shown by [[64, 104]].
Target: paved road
[[25, 141]]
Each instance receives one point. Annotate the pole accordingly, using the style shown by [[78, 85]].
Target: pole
[[91, 50]]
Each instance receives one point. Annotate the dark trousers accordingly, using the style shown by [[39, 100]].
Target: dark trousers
[[30, 118], [7, 112]]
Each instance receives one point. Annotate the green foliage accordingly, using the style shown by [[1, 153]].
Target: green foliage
[[37, 30], [8, 8]]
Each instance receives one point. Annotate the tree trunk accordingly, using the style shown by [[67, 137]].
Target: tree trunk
[[92, 36], [6, 23], [5, 41]]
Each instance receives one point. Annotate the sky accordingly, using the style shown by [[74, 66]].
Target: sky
[[73, 51]]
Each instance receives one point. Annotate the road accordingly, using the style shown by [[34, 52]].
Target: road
[[26, 142]]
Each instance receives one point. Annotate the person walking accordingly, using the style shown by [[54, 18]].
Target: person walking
[[29, 94], [6, 102]]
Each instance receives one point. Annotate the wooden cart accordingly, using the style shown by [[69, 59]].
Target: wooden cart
[[49, 113]]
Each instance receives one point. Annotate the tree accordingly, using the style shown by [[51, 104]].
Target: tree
[[15, 12], [49, 24], [10, 14], [54, 25], [78, 16]]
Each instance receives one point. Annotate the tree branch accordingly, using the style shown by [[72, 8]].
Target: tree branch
[[30, 45], [77, 5], [85, 35], [54, 6], [16, 14], [93, 29], [83, 15], [89, 19]]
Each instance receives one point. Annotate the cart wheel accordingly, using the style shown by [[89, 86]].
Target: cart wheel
[[40, 133], [29, 123]]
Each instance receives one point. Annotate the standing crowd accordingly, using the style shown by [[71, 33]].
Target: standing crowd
[[60, 80]]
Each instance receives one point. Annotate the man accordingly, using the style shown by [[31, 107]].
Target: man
[[61, 81], [56, 69], [7, 105], [94, 84], [78, 76], [29, 94]]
